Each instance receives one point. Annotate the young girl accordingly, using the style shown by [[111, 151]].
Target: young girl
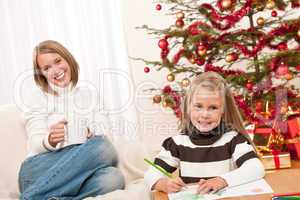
[[213, 149], [65, 160]]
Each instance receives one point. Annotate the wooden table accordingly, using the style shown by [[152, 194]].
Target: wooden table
[[281, 181]]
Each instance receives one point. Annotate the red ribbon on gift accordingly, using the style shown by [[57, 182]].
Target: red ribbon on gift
[[276, 158]]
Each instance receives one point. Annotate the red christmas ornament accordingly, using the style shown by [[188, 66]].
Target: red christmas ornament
[[249, 85], [146, 69], [297, 68], [164, 53], [201, 47], [167, 89], [282, 70], [274, 13], [163, 44], [178, 112], [200, 61], [179, 23], [282, 46], [158, 7], [258, 106]]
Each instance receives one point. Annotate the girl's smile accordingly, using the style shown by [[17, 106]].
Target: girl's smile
[[206, 109]]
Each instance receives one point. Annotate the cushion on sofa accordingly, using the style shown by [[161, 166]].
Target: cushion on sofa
[[12, 151]]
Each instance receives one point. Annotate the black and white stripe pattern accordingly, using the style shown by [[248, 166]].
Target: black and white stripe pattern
[[229, 152]]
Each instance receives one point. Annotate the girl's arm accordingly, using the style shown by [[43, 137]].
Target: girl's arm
[[250, 170], [249, 167], [166, 159]]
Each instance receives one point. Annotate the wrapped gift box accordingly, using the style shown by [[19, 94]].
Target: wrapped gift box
[[276, 161], [262, 136], [294, 131], [294, 127]]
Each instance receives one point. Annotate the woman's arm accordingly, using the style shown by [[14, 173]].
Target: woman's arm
[[35, 121]]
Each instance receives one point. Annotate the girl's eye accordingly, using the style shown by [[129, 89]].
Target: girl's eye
[[198, 106], [57, 60]]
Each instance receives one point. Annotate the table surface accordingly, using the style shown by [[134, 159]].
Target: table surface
[[281, 181]]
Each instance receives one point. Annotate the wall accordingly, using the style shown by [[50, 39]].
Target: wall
[[156, 123]]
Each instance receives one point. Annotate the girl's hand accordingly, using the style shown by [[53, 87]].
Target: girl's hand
[[57, 133], [169, 185], [211, 185]]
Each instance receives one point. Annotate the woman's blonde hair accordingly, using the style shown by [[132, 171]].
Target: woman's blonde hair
[[213, 82], [51, 46]]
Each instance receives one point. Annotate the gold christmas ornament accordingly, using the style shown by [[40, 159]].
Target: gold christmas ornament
[[180, 15], [260, 21], [226, 4], [260, 6], [288, 76], [157, 99], [202, 52], [165, 104], [230, 57], [170, 77], [192, 60], [185, 82], [270, 5]]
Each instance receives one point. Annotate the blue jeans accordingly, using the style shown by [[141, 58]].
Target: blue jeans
[[74, 172]]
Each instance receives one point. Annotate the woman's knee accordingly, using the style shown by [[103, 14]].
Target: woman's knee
[[113, 179], [103, 151]]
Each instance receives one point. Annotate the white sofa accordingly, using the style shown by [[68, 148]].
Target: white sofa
[[13, 152]]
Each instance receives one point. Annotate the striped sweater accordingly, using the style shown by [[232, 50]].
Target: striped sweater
[[228, 155]]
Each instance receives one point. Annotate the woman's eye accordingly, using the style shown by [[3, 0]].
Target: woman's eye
[[57, 60]]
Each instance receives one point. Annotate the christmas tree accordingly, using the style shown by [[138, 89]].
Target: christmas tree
[[253, 44]]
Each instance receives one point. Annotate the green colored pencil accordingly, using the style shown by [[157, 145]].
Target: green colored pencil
[[158, 168]]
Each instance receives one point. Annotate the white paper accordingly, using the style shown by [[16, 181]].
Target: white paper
[[252, 188]]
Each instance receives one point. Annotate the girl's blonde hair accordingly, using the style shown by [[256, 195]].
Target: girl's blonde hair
[[51, 46], [213, 82]]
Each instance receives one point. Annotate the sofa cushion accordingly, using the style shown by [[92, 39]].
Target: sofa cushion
[[13, 149]]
